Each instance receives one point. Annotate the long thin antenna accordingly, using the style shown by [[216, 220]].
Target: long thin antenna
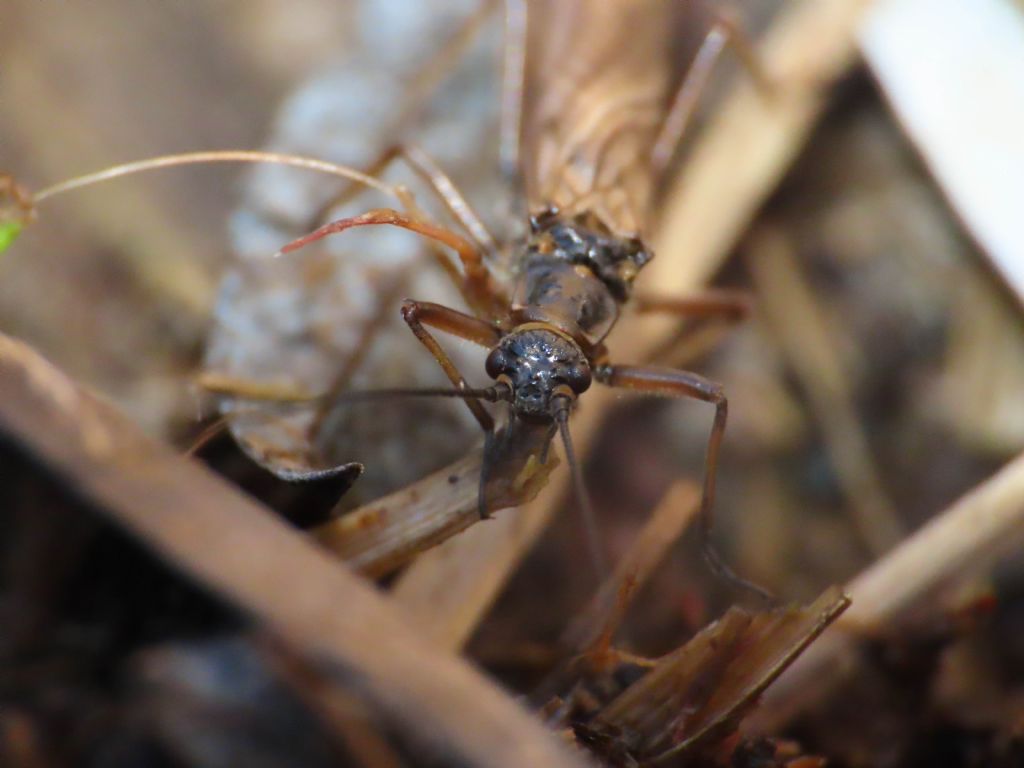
[[210, 431], [216, 156], [11, 227], [490, 394], [219, 386], [594, 541], [486, 465], [721, 569]]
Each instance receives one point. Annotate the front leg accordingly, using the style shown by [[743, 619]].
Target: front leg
[[705, 318], [418, 314], [476, 283], [675, 383], [710, 304]]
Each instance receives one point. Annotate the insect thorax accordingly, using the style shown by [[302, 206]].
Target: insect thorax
[[575, 274], [584, 240]]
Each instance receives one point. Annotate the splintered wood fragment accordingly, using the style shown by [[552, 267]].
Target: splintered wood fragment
[[957, 545], [385, 534], [381, 536], [954, 75], [648, 709], [736, 163], [604, 613], [803, 333], [699, 693], [277, 576]]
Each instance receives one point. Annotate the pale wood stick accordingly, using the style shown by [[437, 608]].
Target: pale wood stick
[[957, 545], [446, 590], [379, 537], [735, 164], [802, 331], [667, 523]]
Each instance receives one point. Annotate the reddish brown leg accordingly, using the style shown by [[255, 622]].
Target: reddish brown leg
[[674, 383], [444, 189], [448, 194], [724, 31], [714, 311], [419, 314], [480, 289], [724, 304]]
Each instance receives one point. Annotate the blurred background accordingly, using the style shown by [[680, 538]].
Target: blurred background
[[880, 377]]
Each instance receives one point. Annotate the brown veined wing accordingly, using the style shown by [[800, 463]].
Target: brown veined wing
[[601, 76]]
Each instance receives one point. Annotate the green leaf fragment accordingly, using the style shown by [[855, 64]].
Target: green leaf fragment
[[9, 231]]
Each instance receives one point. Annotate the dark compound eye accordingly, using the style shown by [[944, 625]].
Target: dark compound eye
[[498, 362], [578, 378]]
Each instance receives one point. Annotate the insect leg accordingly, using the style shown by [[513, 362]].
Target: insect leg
[[418, 314], [725, 30], [706, 318], [675, 383], [478, 286], [724, 304], [444, 189]]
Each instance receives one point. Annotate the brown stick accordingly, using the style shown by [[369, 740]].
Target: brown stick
[[244, 553], [667, 523], [381, 536]]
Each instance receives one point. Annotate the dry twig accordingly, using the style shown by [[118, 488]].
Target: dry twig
[[661, 531], [385, 534], [692, 699]]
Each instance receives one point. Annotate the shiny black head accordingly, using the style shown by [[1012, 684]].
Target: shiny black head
[[616, 261], [539, 366]]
